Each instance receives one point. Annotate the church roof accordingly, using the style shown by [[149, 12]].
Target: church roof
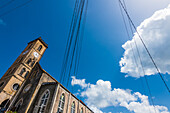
[[41, 40], [56, 82]]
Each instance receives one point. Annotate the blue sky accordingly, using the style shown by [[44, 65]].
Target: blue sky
[[102, 46]]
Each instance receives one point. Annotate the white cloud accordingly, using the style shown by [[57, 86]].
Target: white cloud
[[101, 95], [156, 35], [95, 109], [80, 82]]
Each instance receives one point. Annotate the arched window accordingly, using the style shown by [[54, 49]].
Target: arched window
[[22, 71], [18, 105], [39, 48], [61, 104], [43, 101], [73, 107], [26, 74], [32, 63], [5, 104], [81, 111], [29, 61]]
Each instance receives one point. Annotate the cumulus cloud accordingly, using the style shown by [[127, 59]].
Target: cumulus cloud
[[101, 95], [80, 82], [156, 35]]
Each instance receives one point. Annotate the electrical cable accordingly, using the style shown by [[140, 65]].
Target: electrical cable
[[81, 41], [132, 48], [145, 47], [139, 58], [70, 43], [19, 6], [68, 40], [9, 2], [78, 29]]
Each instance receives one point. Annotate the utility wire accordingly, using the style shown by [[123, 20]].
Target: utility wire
[[9, 2], [135, 57], [79, 45], [81, 41], [13, 9], [146, 80], [77, 35], [68, 40], [145, 47], [70, 43]]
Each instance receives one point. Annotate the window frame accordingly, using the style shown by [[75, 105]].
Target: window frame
[[20, 102], [73, 107], [23, 70], [43, 100], [40, 48], [61, 104]]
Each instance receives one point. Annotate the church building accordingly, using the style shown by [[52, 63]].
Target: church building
[[27, 88]]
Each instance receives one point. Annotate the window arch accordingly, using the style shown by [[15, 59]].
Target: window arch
[[73, 107], [43, 101], [32, 63], [5, 104], [18, 104], [61, 104], [39, 48], [22, 71], [29, 61], [81, 111], [26, 74]]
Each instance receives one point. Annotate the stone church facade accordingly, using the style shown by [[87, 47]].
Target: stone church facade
[[27, 88]]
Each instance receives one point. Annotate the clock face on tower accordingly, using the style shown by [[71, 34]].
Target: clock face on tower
[[36, 54]]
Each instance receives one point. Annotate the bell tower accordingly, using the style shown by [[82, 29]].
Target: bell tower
[[20, 69]]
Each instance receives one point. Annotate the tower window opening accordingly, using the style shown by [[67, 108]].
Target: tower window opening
[[22, 71], [29, 61], [32, 63], [39, 48], [26, 74]]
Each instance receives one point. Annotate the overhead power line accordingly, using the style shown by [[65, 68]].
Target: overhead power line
[[144, 45], [9, 2], [13, 9], [128, 34], [74, 42]]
